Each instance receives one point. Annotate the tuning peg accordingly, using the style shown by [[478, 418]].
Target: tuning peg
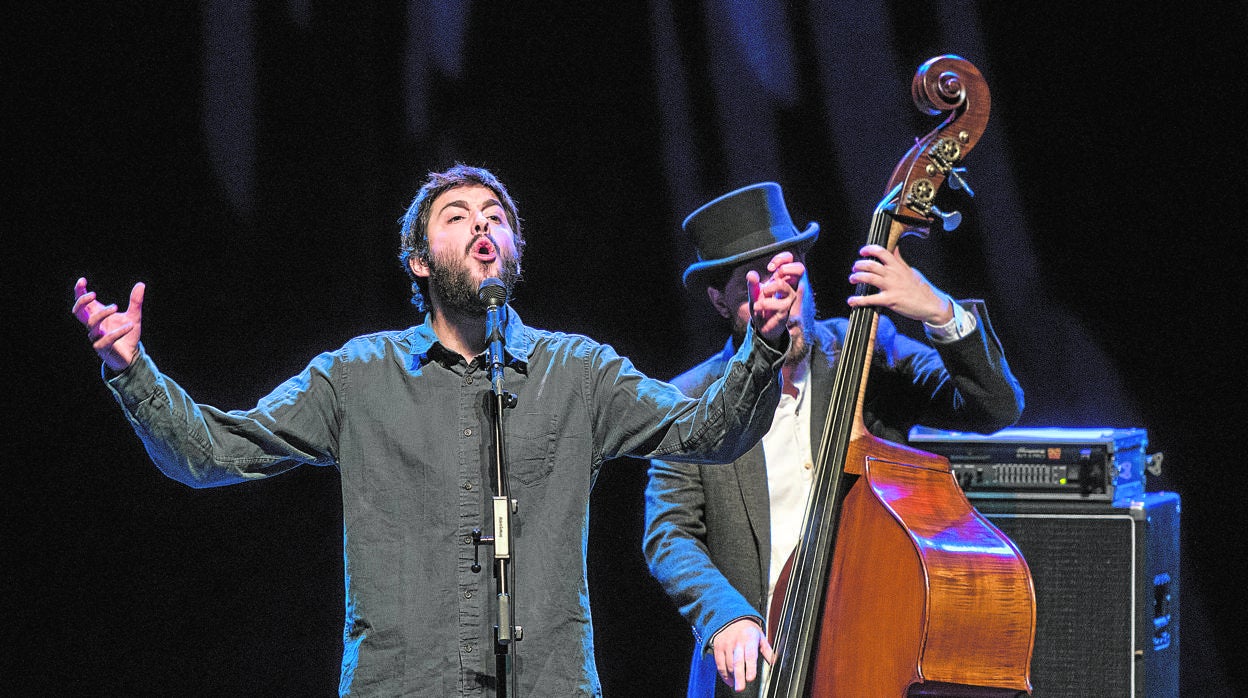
[[957, 181], [949, 220]]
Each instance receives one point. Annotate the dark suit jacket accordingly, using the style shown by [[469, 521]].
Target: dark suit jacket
[[708, 527]]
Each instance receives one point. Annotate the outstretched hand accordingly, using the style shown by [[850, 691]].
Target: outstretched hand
[[736, 649], [771, 301], [902, 288], [113, 335]]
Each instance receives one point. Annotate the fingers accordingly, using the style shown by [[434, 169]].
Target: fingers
[[723, 662], [82, 307], [749, 663], [788, 273], [105, 342], [779, 260], [135, 309], [898, 286], [785, 268], [883, 254], [733, 668], [84, 301], [739, 669], [91, 312], [107, 328], [736, 649], [784, 275], [874, 266], [96, 320], [772, 301]]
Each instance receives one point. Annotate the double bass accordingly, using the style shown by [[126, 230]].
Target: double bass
[[898, 586]]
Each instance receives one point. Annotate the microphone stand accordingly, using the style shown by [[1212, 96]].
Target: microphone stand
[[506, 632]]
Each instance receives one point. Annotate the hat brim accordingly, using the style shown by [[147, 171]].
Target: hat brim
[[697, 274]]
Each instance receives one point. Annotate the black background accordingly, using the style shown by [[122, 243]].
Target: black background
[[266, 233]]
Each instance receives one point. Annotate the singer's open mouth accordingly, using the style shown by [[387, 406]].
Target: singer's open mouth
[[483, 250]]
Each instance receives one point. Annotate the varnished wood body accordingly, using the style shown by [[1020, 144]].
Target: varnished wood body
[[922, 588]]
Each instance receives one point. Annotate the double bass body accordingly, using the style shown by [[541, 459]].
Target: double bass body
[[923, 592]]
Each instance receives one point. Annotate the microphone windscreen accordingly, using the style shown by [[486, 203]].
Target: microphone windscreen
[[492, 291]]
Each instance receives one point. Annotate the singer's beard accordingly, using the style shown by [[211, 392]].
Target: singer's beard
[[451, 282]]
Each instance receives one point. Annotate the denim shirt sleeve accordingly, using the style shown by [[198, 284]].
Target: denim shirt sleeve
[[647, 418], [202, 446]]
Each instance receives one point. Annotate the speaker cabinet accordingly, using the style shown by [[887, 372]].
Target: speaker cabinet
[[1107, 592]]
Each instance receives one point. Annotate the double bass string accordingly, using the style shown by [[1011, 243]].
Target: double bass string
[[809, 567]]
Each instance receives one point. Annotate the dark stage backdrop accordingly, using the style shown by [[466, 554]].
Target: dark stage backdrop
[[249, 162]]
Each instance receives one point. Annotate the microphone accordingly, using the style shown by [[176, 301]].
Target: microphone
[[493, 293]]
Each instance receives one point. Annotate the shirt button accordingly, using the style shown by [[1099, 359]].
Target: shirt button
[[468, 485], [468, 648], [807, 465], [468, 594], [467, 380], [468, 432], [467, 540]]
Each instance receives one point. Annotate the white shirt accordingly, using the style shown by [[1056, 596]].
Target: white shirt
[[786, 448]]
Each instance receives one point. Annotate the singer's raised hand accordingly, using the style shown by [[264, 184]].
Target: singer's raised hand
[[113, 335], [771, 301]]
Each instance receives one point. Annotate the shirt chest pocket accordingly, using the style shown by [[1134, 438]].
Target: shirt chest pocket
[[531, 445]]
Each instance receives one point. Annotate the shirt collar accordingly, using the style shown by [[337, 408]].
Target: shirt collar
[[518, 344]]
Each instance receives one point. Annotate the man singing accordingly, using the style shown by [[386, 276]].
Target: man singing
[[404, 416]]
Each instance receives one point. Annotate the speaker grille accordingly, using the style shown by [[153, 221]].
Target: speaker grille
[[1084, 571]]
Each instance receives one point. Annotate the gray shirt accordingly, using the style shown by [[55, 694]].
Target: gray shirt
[[407, 424]]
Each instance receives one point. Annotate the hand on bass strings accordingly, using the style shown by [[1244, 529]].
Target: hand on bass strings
[[902, 289]]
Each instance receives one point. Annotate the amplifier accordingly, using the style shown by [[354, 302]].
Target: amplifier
[[1107, 593], [1043, 462]]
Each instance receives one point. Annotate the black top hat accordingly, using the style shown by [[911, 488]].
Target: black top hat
[[741, 226]]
